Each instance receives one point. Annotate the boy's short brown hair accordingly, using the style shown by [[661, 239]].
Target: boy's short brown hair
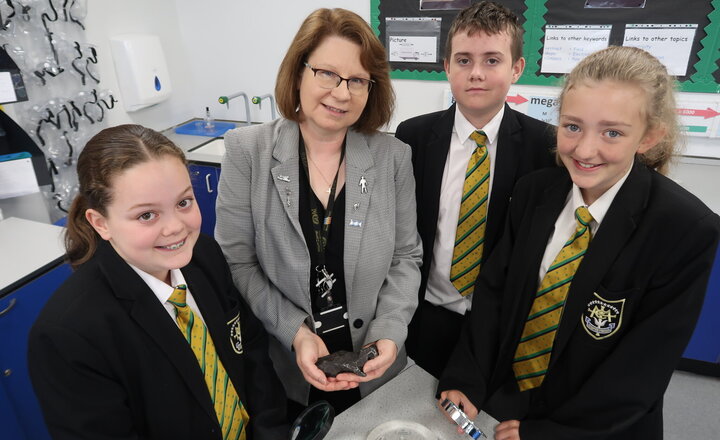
[[491, 18]]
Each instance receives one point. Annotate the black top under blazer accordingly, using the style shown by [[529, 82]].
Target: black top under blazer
[[654, 249], [524, 144], [108, 362]]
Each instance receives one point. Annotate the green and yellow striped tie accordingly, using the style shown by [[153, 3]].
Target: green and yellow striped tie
[[532, 355], [231, 413], [470, 232]]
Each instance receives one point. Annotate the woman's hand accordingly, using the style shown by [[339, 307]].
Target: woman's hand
[[374, 368], [461, 401], [308, 348], [508, 430]]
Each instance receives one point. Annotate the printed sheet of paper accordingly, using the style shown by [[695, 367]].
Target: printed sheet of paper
[[670, 43], [17, 178], [411, 49], [566, 45], [413, 39], [7, 89]]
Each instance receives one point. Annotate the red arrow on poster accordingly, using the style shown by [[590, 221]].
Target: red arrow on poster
[[517, 99], [707, 114]]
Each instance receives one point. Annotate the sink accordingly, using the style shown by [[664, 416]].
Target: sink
[[212, 152], [197, 128]]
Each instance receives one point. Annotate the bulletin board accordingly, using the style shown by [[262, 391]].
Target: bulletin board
[[559, 32]]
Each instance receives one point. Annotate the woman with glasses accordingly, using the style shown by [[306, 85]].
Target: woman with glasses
[[316, 214]]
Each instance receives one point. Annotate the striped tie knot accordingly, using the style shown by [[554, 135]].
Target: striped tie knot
[[583, 216], [178, 297], [532, 355], [479, 137]]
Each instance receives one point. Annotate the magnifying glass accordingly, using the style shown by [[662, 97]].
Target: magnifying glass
[[314, 422]]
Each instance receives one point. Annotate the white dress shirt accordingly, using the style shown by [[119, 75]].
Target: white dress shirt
[[440, 291], [162, 291], [565, 224]]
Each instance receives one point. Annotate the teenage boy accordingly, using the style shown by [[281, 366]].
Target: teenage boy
[[466, 160]]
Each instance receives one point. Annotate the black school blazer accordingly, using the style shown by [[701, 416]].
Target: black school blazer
[[525, 144], [107, 362], [651, 259]]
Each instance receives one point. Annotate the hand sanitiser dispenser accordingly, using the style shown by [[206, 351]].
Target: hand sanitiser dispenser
[[141, 70]]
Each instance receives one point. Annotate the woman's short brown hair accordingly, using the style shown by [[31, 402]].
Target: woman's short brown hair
[[319, 25]]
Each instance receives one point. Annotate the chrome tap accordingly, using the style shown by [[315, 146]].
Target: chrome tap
[[258, 100], [226, 100]]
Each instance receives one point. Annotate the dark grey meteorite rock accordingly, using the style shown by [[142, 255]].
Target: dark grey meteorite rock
[[346, 361]]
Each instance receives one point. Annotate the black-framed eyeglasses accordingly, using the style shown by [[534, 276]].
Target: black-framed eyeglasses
[[327, 79]]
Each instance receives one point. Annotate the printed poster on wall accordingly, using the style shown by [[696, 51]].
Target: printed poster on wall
[[413, 39], [670, 43], [566, 45]]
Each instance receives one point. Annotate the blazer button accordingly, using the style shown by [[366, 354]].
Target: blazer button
[[358, 323]]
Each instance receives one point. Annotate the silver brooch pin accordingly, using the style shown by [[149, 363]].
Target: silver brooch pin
[[355, 223], [288, 191], [356, 206], [363, 185], [283, 178]]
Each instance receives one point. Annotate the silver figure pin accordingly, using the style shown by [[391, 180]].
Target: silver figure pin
[[356, 206], [363, 185], [288, 191], [355, 223], [283, 178]]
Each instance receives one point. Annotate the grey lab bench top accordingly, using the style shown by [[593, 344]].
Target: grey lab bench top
[[409, 396]]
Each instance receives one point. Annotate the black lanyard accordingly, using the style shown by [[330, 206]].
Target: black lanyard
[[321, 230]]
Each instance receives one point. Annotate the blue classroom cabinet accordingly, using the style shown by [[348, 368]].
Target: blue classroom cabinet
[[20, 415], [204, 178], [704, 345]]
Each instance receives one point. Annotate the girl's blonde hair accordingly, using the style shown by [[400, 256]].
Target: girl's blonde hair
[[636, 66]]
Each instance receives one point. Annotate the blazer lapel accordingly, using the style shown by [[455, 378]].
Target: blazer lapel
[[542, 227], [216, 321], [143, 307], [359, 185], [507, 160], [286, 173], [616, 229], [436, 152]]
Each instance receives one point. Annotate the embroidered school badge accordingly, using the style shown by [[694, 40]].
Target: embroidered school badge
[[602, 318], [235, 336]]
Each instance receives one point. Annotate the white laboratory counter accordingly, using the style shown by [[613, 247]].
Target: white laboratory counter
[[210, 152], [203, 149], [410, 397], [27, 248]]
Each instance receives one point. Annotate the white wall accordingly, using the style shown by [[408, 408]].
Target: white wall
[[107, 18], [238, 46]]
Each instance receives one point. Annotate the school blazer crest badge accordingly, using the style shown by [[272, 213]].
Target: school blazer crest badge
[[602, 318], [235, 335]]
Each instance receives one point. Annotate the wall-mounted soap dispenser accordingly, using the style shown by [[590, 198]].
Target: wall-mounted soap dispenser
[[141, 70]]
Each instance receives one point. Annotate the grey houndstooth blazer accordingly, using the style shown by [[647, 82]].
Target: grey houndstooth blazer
[[260, 233]]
